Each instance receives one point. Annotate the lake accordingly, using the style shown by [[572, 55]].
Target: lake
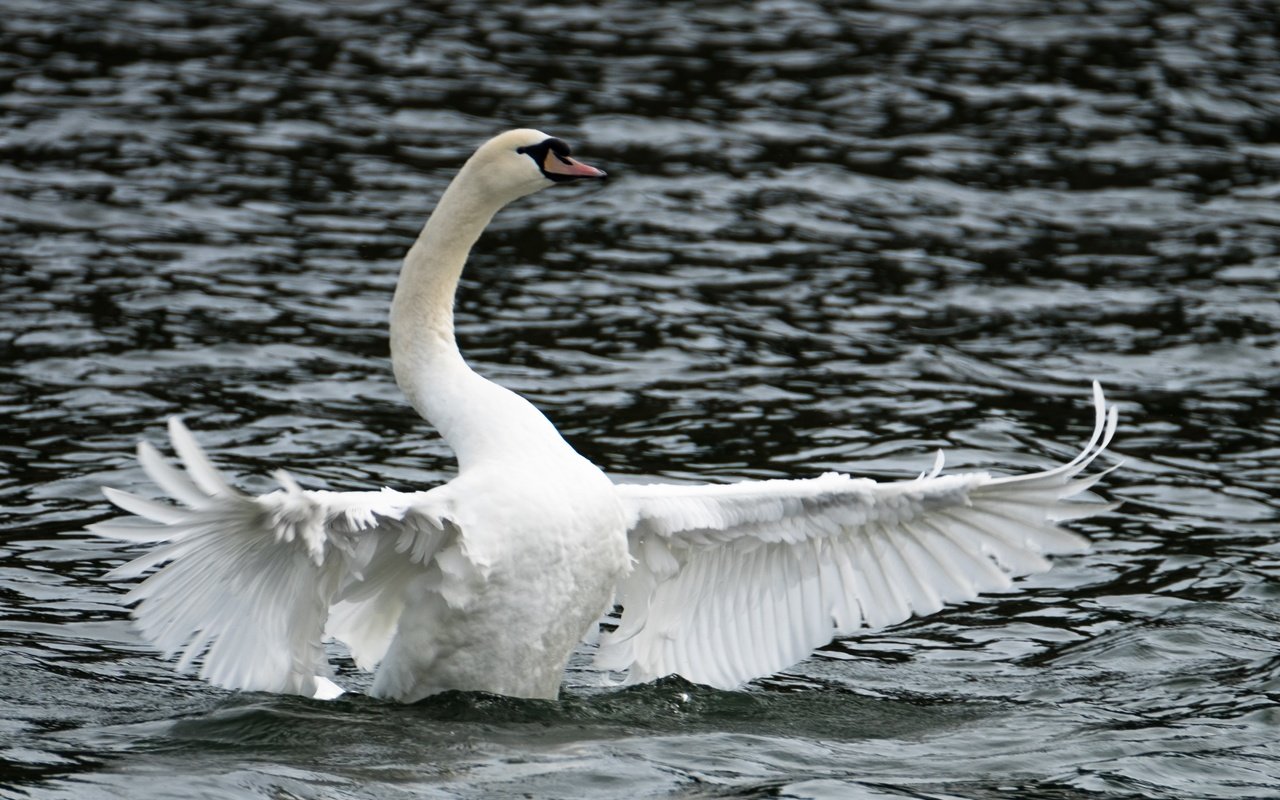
[[835, 236]]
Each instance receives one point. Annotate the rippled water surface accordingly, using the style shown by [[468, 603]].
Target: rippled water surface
[[836, 236]]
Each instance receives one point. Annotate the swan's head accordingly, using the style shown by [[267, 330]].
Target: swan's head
[[520, 162]]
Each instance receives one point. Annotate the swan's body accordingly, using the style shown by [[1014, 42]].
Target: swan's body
[[489, 581], [542, 522]]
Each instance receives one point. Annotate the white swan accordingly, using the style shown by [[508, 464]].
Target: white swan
[[489, 581]]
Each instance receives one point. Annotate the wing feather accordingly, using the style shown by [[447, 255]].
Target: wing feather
[[723, 650], [737, 581], [756, 627], [849, 599], [201, 471], [149, 510], [245, 585], [169, 479]]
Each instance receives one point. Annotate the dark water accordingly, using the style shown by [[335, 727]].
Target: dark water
[[837, 237]]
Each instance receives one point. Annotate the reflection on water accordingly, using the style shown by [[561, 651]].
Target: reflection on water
[[834, 239]]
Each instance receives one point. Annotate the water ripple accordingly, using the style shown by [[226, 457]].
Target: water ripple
[[834, 238]]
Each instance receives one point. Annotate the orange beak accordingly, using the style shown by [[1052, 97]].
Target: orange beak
[[563, 165]]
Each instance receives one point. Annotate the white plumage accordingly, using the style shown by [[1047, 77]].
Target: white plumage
[[737, 581], [488, 581]]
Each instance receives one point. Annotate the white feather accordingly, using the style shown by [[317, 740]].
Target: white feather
[[245, 584], [838, 553]]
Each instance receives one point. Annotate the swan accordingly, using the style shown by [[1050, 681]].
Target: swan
[[489, 581]]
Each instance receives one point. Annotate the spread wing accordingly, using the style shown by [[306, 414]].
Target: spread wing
[[733, 582], [254, 584]]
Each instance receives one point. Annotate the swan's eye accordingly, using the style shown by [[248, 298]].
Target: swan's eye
[[538, 152], [561, 167]]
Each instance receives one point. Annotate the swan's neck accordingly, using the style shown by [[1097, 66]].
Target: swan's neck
[[422, 311], [479, 419]]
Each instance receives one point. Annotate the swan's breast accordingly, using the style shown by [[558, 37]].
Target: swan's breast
[[562, 513]]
